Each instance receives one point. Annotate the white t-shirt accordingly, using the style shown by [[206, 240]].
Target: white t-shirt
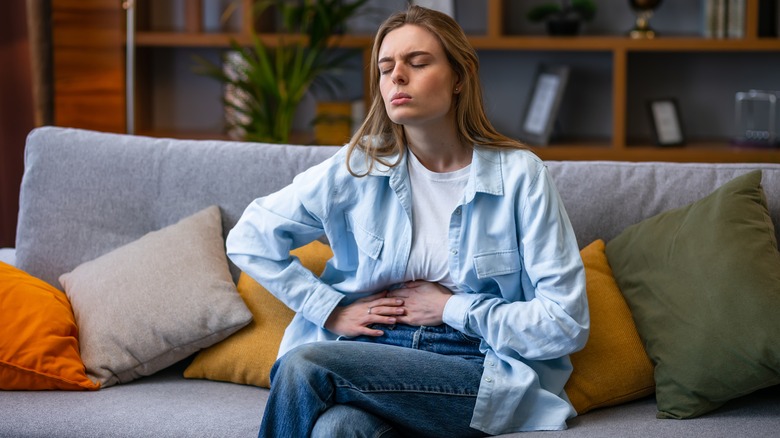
[[434, 197]]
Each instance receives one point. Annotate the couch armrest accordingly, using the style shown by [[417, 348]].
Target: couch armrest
[[8, 255]]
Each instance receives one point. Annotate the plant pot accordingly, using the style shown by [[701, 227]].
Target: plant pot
[[563, 27]]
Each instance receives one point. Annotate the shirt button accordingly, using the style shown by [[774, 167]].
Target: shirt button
[[454, 252], [490, 363], [488, 379], [457, 211]]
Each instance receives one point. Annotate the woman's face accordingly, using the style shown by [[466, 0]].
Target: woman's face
[[416, 80]]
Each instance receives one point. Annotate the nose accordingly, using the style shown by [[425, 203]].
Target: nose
[[398, 75]]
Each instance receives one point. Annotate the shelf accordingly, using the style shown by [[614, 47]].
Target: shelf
[[194, 39], [594, 150], [536, 43], [656, 153], [612, 76]]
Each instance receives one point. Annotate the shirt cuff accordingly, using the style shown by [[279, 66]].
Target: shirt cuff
[[320, 304], [456, 311]]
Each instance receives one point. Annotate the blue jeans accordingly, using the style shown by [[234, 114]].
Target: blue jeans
[[412, 381]]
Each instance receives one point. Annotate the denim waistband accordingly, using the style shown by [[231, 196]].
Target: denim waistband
[[441, 339]]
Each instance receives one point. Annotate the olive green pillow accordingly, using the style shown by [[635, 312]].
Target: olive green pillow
[[703, 285]]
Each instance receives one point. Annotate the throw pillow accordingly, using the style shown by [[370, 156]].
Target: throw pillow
[[703, 285], [155, 301], [613, 367], [39, 347], [247, 356]]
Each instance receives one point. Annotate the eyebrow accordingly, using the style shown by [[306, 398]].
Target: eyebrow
[[406, 56]]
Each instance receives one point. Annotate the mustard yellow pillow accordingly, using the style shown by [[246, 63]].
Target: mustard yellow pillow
[[613, 367], [247, 356], [39, 347]]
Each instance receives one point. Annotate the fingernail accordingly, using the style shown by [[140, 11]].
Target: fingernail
[[399, 301], [391, 320]]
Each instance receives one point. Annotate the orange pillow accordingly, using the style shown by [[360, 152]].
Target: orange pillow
[[613, 367], [39, 346], [247, 356]]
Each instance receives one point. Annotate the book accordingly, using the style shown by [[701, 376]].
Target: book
[[714, 18], [767, 18], [735, 20]]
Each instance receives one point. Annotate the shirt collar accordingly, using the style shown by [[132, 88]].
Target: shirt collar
[[486, 170]]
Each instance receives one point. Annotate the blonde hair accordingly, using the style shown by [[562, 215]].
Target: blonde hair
[[379, 137]]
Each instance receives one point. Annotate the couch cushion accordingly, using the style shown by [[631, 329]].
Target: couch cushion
[[613, 368], [39, 347], [247, 356], [703, 284], [155, 301], [164, 405]]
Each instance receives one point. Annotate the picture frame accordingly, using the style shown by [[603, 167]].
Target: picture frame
[[544, 99], [445, 6], [666, 122]]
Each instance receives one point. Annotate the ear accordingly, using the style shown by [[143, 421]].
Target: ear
[[458, 84]]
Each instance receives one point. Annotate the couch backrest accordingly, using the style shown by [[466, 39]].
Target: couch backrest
[[85, 193], [604, 197]]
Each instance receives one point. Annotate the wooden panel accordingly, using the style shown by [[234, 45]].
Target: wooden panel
[[16, 112], [89, 75]]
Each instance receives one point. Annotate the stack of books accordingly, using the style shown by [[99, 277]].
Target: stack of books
[[723, 18]]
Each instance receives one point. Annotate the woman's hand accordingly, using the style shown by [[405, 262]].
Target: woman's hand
[[423, 302], [354, 319]]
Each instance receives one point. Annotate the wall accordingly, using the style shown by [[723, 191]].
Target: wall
[[16, 111]]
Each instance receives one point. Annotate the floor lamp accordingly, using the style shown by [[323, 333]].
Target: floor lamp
[[129, 6]]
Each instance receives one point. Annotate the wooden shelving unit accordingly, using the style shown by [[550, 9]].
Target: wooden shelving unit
[[620, 145]]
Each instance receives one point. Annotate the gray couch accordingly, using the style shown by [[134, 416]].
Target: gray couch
[[71, 196]]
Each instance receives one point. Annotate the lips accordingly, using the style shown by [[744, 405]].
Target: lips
[[400, 98]]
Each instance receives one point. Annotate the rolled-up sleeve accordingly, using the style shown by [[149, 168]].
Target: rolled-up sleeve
[[260, 246]]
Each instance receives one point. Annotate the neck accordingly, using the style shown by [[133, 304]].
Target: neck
[[439, 150]]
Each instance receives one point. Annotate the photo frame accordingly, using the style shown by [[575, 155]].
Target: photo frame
[[666, 122], [541, 109], [445, 6]]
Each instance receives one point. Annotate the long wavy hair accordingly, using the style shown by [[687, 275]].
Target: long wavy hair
[[379, 137]]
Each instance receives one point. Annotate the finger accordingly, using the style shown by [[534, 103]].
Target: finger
[[386, 311], [387, 302], [374, 297], [367, 331], [398, 293]]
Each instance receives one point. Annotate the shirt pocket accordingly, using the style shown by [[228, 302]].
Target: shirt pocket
[[497, 263], [367, 242]]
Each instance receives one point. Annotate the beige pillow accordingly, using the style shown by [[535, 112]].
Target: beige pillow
[[155, 301], [247, 356]]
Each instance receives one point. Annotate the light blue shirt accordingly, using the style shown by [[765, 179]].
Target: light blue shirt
[[511, 250]]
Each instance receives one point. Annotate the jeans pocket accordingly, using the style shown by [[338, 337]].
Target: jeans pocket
[[467, 338]]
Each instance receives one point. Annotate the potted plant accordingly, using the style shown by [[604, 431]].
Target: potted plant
[[270, 80], [563, 18]]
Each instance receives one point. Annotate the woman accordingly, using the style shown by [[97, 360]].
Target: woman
[[456, 290]]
